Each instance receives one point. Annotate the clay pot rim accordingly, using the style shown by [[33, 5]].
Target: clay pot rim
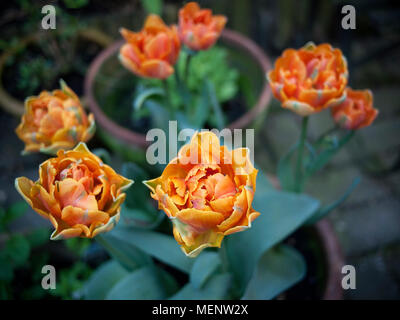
[[138, 139], [334, 260]]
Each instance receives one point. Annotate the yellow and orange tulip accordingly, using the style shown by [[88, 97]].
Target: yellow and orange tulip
[[198, 28], [207, 192], [310, 79], [153, 51], [77, 192], [53, 121], [356, 111]]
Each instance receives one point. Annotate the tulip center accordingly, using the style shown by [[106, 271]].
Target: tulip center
[[201, 188], [77, 186]]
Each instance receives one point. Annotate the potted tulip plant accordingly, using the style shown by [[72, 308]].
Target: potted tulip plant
[[179, 73]]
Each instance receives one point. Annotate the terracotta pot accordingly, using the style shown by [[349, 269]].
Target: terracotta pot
[[334, 260], [234, 39]]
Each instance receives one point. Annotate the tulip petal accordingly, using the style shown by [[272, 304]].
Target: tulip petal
[[47, 201], [200, 220], [74, 215], [301, 108], [155, 68], [245, 225], [203, 241], [112, 222], [223, 205], [154, 24], [240, 209], [159, 47], [24, 186]]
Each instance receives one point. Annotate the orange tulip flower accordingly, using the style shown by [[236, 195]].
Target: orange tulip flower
[[198, 28], [53, 121], [79, 194], [310, 79], [356, 111], [153, 51], [207, 192]]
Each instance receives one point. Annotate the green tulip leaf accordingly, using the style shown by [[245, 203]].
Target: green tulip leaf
[[277, 270], [129, 256], [103, 279], [204, 266], [281, 214], [145, 94], [216, 288], [158, 245], [142, 284], [323, 211]]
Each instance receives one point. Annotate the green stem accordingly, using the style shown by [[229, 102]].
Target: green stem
[[326, 133], [299, 165], [112, 251], [187, 67], [167, 94]]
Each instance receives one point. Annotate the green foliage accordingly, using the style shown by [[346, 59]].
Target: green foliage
[[277, 270], [35, 75], [17, 250], [203, 268], [281, 214], [16, 253], [157, 245], [20, 253], [193, 96], [70, 280], [127, 254], [75, 4], [318, 155], [77, 245], [212, 65], [254, 266], [103, 155], [216, 288], [138, 209], [15, 211], [324, 156], [323, 211], [102, 280], [141, 284], [153, 6]]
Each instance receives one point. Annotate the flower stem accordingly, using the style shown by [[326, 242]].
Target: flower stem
[[167, 94], [187, 67], [326, 133], [299, 165]]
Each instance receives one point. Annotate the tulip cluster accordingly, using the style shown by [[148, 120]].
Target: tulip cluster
[[82, 196], [153, 51], [207, 191], [314, 78]]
